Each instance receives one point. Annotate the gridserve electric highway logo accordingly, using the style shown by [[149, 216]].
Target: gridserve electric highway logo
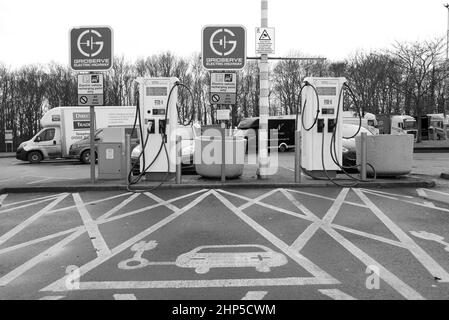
[[224, 47], [91, 48]]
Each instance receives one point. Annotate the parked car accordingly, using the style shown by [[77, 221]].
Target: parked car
[[348, 145], [81, 149], [188, 134]]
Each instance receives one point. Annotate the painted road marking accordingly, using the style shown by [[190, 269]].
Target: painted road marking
[[33, 199], [124, 296], [99, 221], [326, 198], [423, 194], [396, 283], [425, 259], [53, 250], [186, 284], [304, 237], [336, 294], [120, 206], [313, 218], [426, 205], [59, 285], [386, 193], [52, 298], [431, 237], [11, 233], [137, 262], [92, 229], [305, 263], [2, 198], [255, 295], [28, 205], [386, 275], [262, 259], [34, 241]]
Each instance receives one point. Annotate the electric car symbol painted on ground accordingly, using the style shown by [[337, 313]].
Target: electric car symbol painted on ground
[[204, 258]]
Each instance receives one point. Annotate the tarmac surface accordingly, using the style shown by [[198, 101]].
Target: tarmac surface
[[317, 243]]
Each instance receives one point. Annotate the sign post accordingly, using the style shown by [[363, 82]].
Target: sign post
[[8, 140], [91, 49]]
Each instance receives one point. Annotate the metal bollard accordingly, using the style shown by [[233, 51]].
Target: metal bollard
[[297, 156], [363, 155], [127, 156], [178, 160]]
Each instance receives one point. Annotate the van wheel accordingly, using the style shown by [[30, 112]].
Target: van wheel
[[282, 148], [34, 157]]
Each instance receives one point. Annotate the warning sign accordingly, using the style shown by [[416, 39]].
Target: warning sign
[[265, 40]]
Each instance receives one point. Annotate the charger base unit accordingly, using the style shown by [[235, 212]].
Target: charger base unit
[[312, 148], [159, 123]]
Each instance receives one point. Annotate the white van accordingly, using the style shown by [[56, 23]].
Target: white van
[[63, 126]]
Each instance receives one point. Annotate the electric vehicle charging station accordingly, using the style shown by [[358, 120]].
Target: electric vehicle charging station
[[158, 119], [322, 101]]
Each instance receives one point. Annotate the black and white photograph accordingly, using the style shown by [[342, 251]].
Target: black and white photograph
[[195, 154]]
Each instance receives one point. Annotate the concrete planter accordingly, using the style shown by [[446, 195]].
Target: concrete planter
[[208, 156], [390, 155]]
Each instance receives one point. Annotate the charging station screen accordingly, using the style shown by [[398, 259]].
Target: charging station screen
[[326, 91], [156, 91]]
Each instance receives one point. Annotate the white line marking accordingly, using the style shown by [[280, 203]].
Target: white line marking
[[34, 199], [421, 192], [37, 181], [53, 250], [99, 221], [305, 263], [123, 296], [425, 205], [159, 200], [336, 294], [443, 193], [11, 233], [92, 202], [213, 283], [396, 283], [119, 206], [59, 285], [368, 235], [314, 218], [2, 198], [387, 193], [426, 260], [95, 235], [34, 241], [28, 205], [326, 198], [304, 237], [52, 298], [297, 204], [255, 295]]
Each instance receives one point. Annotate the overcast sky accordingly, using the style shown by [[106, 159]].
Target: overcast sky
[[37, 30]]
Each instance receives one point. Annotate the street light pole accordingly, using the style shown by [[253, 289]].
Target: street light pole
[[263, 102], [447, 60]]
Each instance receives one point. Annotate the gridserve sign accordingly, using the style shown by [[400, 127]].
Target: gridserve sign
[[224, 47], [91, 48]]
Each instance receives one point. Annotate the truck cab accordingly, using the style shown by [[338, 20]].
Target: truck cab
[[404, 125]]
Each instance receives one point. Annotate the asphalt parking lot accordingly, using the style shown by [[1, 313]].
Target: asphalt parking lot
[[326, 243]]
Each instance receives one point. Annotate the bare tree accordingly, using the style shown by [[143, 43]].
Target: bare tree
[[422, 67]]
